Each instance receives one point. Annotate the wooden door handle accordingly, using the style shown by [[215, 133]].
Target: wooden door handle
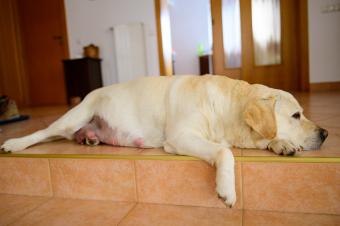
[[58, 37]]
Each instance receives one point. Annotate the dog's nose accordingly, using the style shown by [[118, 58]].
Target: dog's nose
[[323, 134]]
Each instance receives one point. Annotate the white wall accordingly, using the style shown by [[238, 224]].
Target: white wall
[[189, 21], [89, 21], [324, 42]]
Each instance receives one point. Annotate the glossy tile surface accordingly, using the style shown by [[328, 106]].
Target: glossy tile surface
[[181, 183], [57, 212], [40, 117], [40, 211], [13, 207], [94, 179], [292, 187], [25, 176], [166, 215]]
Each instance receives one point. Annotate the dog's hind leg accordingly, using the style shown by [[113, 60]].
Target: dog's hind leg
[[65, 127]]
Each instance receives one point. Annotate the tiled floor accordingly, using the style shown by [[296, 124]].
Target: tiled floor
[[323, 108], [268, 186], [18, 210]]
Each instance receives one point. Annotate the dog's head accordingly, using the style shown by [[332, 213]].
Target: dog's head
[[279, 116]]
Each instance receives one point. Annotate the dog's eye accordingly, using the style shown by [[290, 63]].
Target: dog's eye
[[296, 115]]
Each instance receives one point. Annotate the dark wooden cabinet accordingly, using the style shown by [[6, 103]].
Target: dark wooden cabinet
[[82, 76], [205, 63]]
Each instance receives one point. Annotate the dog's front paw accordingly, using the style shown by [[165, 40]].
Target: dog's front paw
[[227, 194], [13, 145], [284, 147]]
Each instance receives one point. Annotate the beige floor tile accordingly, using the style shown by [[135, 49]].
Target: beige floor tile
[[64, 212], [265, 218], [292, 187], [332, 122], [25, 176], [166, 215], [13, 207], [4, 137], [181, 183], [22, 128], [101, 179]]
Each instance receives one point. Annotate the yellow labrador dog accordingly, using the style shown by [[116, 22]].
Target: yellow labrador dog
[[201, 116]]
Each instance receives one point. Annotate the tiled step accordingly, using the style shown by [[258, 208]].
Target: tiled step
[[17, 210], [269, 185]]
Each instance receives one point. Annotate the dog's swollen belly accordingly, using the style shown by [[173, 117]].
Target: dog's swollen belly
[[128, 114], [99, 131]]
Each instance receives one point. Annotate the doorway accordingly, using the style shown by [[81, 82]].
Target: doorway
[[184, 35], [262, 41], [44, 40], [191, 34]]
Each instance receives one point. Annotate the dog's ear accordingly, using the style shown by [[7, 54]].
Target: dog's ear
[[260, 116]]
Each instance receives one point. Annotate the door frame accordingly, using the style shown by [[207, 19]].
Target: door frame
[[218, 50], [163, 25], [304, 46], [63, 25]]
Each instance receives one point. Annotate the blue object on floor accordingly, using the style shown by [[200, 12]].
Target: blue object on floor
[[14, 119]]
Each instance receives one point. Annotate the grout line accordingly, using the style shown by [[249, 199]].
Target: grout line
[[242, 193], [290, 212], [50, 176], [30, 211], [192, 206], [136, 183], [234, 209], [127, 214]]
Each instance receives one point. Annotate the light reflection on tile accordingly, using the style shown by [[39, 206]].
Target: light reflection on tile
[[13, 207], [73, 212], [101, 179], [292, 187], [266, 218]]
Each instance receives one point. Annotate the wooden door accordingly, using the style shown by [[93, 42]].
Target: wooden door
[[43, 29], [289, 71], [12, 79]]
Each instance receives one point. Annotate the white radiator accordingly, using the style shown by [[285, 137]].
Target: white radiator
[[129, 51]]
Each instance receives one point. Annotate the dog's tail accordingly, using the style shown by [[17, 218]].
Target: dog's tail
[[64, 127]]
